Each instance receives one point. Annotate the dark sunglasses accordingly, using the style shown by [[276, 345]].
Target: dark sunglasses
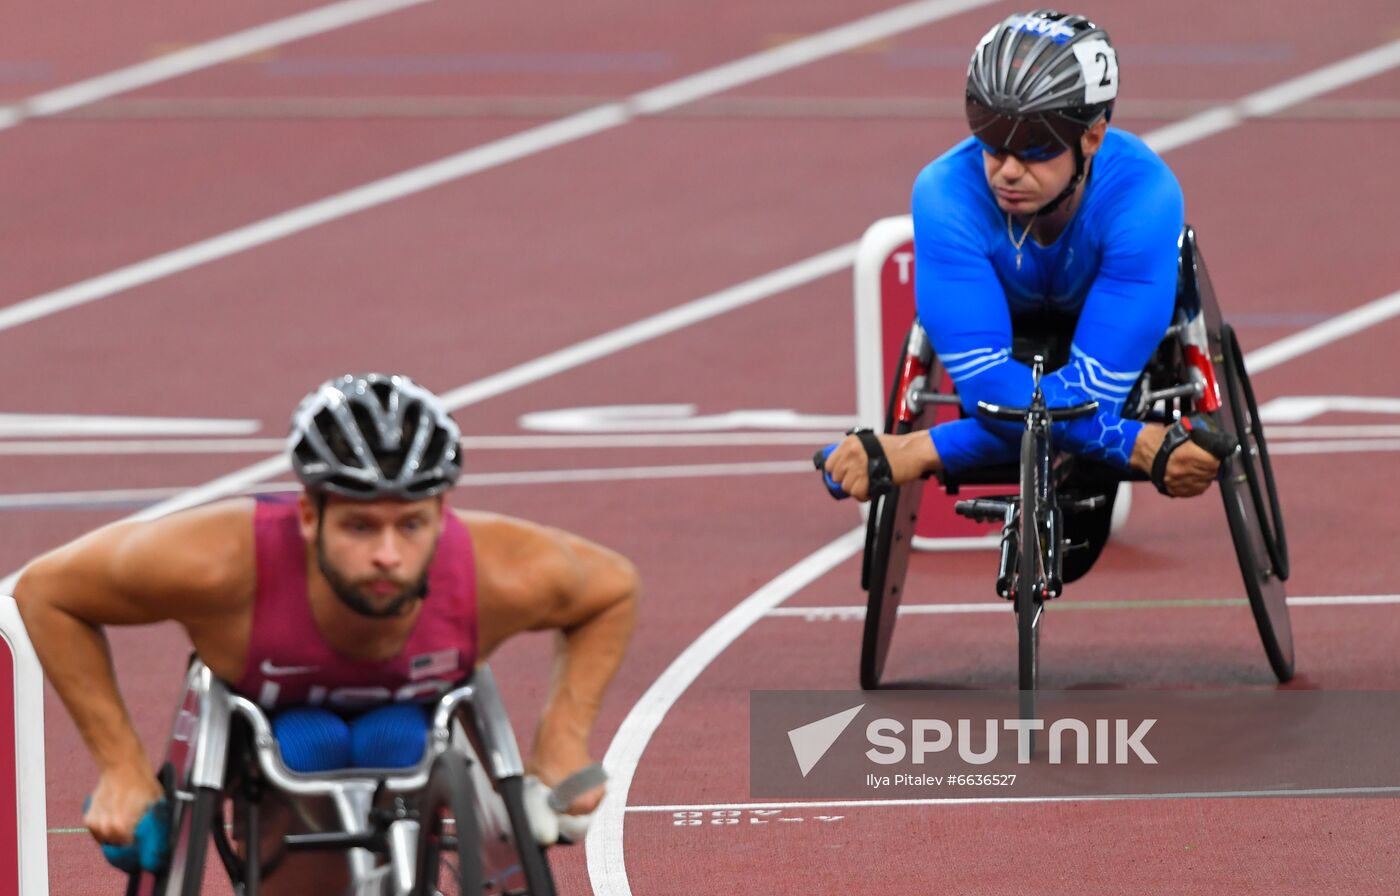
[[1032, 139]]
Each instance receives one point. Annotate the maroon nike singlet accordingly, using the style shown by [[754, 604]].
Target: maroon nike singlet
[[290, 664]]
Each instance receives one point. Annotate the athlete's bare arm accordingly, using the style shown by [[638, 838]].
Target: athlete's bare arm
[[192, 567], [535, 578]]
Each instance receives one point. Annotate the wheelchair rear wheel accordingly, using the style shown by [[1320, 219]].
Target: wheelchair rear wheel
[[191, 828], [1252, 508], [538, 879], [888, 541], [449, 843]]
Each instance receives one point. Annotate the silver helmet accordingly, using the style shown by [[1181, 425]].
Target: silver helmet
[[371, 436], [1039, 79]]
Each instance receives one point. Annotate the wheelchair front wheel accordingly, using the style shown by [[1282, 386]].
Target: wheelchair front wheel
[[449, 843], [1252, 509], [1031, 573]]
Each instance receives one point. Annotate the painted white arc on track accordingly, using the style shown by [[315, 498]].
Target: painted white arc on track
[[606, 868]]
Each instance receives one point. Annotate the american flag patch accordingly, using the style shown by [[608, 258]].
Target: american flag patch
[[438, 662]]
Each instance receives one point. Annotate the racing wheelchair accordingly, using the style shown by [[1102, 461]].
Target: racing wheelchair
[[1057, 511], [453, 824]]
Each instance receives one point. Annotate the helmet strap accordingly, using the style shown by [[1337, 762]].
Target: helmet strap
[[1080, 163]]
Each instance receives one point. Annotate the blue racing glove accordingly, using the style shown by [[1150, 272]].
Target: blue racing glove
[[149, 850]]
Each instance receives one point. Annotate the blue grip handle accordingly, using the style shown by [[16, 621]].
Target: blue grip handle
[[150, 849], [832, 486]]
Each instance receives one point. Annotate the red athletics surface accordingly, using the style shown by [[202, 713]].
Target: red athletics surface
[[69, 40], [475, 277]]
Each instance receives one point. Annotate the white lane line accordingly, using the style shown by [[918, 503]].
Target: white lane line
[[1322, 601], [851, 613], [1362, 437], [1275, 99], [744, 439], [1348, 446], [201, 56], [996, 800], [800, 52], [1322, 431], [58, 425], [49, 448], [489, 155], [1318, 335], [609, 474], [56, 500], [606, 869], [814, 268]]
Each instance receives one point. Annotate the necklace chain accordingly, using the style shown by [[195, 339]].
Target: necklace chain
[[1025, 234]]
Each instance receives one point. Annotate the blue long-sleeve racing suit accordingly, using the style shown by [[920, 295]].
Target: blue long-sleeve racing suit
[[1113, 269]]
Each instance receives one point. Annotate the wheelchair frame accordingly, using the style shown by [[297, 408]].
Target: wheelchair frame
[[374, 808], [1200, 356]]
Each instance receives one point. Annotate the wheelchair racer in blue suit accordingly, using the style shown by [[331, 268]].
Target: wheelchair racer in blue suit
[[1043, 214]]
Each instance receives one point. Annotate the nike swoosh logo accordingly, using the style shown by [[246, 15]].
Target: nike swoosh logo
[[270, 670]]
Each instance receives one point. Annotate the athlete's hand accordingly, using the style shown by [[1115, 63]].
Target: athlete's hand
[[120, 799], [910, 457], [557, 763], [1190, 468]]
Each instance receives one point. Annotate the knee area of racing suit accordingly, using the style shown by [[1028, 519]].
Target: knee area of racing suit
[[315, 739]]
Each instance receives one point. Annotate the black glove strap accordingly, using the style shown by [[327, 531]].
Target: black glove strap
[[1198, 429], [1177, 435], [878, 466]]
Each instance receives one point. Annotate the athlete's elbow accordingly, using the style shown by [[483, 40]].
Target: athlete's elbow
[[627, 585], [35, 591]]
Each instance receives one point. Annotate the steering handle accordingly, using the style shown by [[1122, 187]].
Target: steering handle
[[832, 486], [1065, 412]]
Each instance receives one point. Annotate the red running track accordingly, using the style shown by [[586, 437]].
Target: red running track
[[476, 276]]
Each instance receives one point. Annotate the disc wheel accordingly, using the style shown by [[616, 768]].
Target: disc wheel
[[449, 842], [1252, 509], [888, 541]]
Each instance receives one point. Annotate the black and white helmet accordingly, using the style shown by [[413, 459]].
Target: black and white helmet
[[1037, 76], [372, 436]]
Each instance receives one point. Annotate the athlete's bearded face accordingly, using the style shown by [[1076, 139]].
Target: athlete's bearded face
[[375, 555]]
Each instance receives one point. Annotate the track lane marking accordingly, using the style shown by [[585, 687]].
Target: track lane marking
[[549, 442], [998, 800], [201, 56], [88, 498], [1274, 99], [1345, 324], [850, 613], [1370, 438], [606, 868], [489, 155]]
